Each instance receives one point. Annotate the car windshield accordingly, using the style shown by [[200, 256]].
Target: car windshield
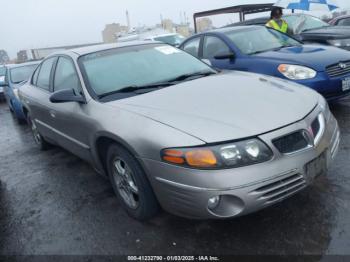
[[260, 40], [115, 70], [174, 40], [301, 23], [20, 74]]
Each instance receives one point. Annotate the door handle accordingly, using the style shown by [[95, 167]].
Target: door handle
[[52, 114]]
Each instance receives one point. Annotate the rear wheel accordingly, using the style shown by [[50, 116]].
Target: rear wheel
[[131, 184], [38, 139]]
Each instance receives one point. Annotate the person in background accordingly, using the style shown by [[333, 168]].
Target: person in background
[[276, 22]]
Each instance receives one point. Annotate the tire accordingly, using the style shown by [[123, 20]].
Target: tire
[[38, 139], [133, 188]]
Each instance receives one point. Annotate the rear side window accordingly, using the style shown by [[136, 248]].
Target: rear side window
[[192, 46], [344, 22], [213, 46], [45, 73], [66, 76]]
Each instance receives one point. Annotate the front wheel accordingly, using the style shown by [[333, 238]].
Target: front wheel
[[130, 184], [38, 139]]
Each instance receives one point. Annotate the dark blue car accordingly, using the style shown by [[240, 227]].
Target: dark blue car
[[16, 75], [266, 51]]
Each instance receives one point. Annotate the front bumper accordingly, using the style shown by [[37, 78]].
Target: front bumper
[[185, 192], [330, 88]]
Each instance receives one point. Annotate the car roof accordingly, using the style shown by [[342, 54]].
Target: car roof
[[22, 64], [96, 48]]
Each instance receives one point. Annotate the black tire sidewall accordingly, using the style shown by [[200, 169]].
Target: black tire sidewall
[[148, 204]]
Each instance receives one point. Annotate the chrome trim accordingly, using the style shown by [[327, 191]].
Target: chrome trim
[[201, 189], [321, 119], [86, 147]]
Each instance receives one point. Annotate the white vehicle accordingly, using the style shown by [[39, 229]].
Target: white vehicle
[[173, 39]]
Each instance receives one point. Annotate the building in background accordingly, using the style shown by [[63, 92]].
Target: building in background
[[40, 53], [4, 58], [111, 30], [204, 24], [168, 25]]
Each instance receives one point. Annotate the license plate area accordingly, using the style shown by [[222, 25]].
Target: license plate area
[[346, 84], [316, 167]]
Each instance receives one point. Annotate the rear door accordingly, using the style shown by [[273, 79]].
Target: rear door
[[39, 99]]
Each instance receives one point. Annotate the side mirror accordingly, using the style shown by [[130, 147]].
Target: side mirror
[[67, 95], [225, 55]]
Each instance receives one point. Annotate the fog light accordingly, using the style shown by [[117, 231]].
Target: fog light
[[213, 202]]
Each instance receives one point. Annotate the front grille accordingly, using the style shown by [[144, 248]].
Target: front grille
[[281, 189], [336, 70], [291, 143]]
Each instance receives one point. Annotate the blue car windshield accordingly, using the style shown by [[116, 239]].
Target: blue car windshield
[[112, 70], [259, 40], [20, 74]]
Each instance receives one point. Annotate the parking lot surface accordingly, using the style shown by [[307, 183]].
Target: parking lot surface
[[53, 203]]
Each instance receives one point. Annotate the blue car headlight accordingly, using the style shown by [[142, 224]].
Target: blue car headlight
[[296, 72]]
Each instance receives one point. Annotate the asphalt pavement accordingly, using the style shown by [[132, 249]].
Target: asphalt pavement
[[53, 203]]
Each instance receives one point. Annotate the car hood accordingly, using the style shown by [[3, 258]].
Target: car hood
[[315, 56], [226, 106], [328, 32]]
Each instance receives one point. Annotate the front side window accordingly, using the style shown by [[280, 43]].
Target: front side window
[[192, 46], [258, 40], [45, 73], [21, 74], [213, 46], [66, 76], [112, 70], [2, 71]]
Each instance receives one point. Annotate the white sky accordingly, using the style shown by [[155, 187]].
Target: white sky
[[29, 24]]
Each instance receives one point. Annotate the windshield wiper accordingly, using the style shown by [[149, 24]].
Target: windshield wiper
[[136, 89], [192, 75], [152, 87]]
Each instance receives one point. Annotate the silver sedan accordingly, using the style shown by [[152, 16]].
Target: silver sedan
[[169, 131]]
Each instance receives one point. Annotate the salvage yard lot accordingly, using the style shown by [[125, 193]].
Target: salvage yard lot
[[53, 203]]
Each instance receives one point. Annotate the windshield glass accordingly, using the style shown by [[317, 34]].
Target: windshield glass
[[259, 40], [112, 70], [302, 23], [20, 74], [174, 40]]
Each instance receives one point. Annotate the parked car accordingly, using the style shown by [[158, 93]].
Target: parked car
[[263, 50], [310, 29], [2, 82], [16, 75], [169, 129], [173, 39], [343, 20]]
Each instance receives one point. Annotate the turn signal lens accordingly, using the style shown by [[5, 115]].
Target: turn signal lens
[[201, 158], [173, 156]]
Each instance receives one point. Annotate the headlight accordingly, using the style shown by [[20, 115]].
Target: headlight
[[232, 155], [296, 72], [15, 91], [340, 42]]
